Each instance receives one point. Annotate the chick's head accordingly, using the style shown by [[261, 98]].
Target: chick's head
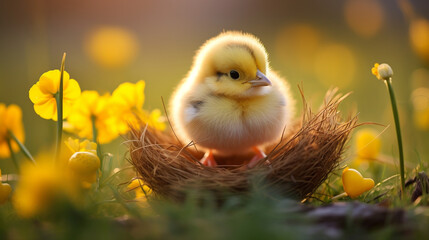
[[234, 64]]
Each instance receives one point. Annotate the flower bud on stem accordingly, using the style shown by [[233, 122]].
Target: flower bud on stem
[[398, 132]]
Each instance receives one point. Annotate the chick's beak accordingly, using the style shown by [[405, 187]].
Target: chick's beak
[[261, 80]]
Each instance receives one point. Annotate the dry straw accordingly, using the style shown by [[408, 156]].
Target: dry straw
[[299, 163]]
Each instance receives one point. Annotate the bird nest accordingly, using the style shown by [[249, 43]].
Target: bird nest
[[298, 164]]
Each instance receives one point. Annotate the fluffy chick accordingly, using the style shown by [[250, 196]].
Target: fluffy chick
[[231, 102]]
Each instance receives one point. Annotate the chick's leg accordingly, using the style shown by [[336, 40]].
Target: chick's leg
[[208, 159], [259, 154]]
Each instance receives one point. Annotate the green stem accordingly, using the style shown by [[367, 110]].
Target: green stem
[[59, 99], [398, 133], [12, 155], [99, 154], [22, 147], [95, 138], [94, 130]]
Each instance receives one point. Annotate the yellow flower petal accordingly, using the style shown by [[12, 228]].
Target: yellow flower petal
[[77, 146], [132, 95], [67, 108], [140, 188], [14, 124], [37, 96], [4, 150], [88, 146], [72, 144], [106, 135], [68, 127], [41, 186], [13, 116], [354, 184], [136, 183], [156, 120], [79, 121], [10, 120], [47, 110], [374, 70], [89, 106], [102, 105], [49, 81], [140, 86], [125, 92], [72, 91]]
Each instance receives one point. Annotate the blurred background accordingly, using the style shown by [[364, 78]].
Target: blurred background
[[318, 44]]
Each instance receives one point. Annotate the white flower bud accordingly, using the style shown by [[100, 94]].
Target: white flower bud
[[385, 71]]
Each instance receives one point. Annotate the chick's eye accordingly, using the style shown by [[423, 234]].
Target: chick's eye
[[234, 74]]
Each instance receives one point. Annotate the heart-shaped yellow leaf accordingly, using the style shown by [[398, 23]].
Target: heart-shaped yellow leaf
[[354, 184], [5, 191]]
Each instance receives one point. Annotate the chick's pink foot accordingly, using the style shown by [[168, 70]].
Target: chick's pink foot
[[208, 159], [259, 154]]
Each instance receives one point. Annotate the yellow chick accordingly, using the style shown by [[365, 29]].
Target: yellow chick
[[231, 102]]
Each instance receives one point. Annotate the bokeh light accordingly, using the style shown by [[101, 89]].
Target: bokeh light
[[420, 100], [419, 37], [420, 78], [365, 17], [335, 65], [111, 47], [296, 44]]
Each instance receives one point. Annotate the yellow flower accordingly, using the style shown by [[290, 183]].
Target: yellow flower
[[130, 99], [84, 162], [382, 71], [10, 120], [420, 99], [354, 184], [43, 94], [40, 186], [91, 106], [130, 94], [84, 166], [5, 191], [374, 70], [68, 127], [156, 120], [75, 145], [141, 189]]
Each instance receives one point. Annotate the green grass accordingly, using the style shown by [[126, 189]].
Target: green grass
[[257, 215]]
